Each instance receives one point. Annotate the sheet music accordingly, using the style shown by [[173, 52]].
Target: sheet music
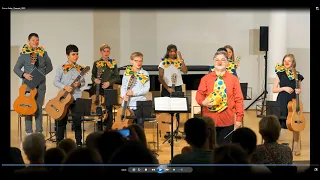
[[170, 104]]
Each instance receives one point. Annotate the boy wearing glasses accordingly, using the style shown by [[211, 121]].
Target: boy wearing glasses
[[141, 87], [220, 97]]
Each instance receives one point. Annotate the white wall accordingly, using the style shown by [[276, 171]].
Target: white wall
[[298, 43], [196, 33], [56, 30]]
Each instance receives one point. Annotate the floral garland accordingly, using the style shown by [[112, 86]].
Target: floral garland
[[141, 77], [111, 63], [26, 49], [282, 68], [167, 62], [67, 67]]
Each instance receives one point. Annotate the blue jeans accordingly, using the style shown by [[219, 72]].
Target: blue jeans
[[38, 115]]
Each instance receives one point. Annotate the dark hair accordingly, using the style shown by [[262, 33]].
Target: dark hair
[[246, 138], [33, 34], [222, 49], [196, 132], [171, 46], [71, 48]]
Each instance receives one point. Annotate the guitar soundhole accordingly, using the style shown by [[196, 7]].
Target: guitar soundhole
[[61, 98], [27, 93]]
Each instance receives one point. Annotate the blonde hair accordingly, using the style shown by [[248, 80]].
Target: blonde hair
[[104, 46], [136, 54], [294, 63], [231, 48], [269, 128]]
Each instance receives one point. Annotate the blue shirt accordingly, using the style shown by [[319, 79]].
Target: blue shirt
[[139, 90], [62, 79]]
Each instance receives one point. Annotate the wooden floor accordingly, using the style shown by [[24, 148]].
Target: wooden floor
[[250, 120]]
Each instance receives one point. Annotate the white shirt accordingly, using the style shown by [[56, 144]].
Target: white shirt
[[168, 72]]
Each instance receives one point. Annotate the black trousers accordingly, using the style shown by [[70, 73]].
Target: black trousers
[[108, 122], [61, 126], [222, 132]]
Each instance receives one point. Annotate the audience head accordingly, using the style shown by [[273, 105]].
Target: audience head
[[138, 131], [108, 142], [67, 145], [196, 132], [269, 128], [211, 130], [83, 156], [133, 152], [92, 139], [230, 154], [246, 138], [34, 146], [54, 156]]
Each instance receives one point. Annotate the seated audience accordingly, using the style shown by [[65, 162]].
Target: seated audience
[[34, 146], [247, 139], [138, 134], [83, 155], [231, 154], [15, 158], [270, 152], [212, 134], [67, 145], [108, 142], [197, 136], [54, 156], [92, 139]]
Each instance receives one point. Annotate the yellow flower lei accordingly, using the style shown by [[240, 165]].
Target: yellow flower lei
[[140, 76], [281, 68], [111, 63], [26, 49], [67, 67], [167, 62]]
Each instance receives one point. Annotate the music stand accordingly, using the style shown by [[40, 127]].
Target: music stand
[[171, 107], [111, 99], [244, 89], [273, 108]]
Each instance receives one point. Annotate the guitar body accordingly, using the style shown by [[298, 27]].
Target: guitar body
[[57, 107], [120, 124], [164, 123], [98, 103], [295, 120], [26, 105]]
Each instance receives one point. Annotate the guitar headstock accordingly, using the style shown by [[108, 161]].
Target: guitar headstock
[[174, 78], [85, 70], [132, 81]]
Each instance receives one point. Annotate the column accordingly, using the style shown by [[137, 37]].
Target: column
[[277, 47]]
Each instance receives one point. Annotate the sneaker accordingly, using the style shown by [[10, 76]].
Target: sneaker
[[27, 134]]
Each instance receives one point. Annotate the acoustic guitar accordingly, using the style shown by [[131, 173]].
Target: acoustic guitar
[[164, 124], [295, 119], [97, 99], [57, 107], [120, 120], [26, 103]]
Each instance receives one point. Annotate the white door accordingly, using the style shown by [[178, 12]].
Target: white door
[[15, 81]]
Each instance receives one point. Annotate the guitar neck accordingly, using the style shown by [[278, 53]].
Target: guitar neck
[[297, 96], [73, 87]]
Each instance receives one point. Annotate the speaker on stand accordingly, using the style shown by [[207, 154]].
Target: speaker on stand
[[263, 46]]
